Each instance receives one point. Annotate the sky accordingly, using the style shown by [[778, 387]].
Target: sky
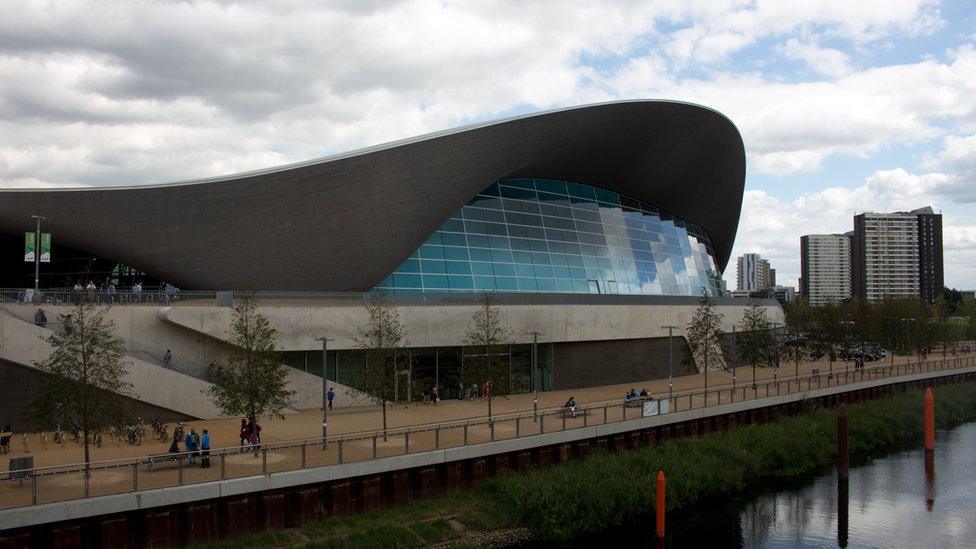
[[844, 106]]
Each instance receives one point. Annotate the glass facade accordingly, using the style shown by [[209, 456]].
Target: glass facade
[[441, 366], [548, 236]]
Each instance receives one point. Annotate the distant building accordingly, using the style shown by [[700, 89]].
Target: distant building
[[753, 273], [784, 294], [897, 255], [825, 268]]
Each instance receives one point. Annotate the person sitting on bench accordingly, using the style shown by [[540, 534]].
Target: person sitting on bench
[[571, 405]]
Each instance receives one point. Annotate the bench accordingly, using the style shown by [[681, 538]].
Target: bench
[[156, 460], [580, 412], [637, 402]]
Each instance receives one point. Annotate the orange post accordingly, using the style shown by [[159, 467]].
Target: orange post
[[929, 419], [660, 504]]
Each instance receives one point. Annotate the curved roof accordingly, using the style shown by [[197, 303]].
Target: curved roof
[[343, 223]]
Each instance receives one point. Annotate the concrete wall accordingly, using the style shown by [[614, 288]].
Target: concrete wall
[[24, 344], [444, 325], [593, 363], [21, 384]]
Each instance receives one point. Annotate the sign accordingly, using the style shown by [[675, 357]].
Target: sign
[[29, 248], [45, 247], [655, 407]]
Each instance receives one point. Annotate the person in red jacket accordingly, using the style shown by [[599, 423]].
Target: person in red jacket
[[245, 432]]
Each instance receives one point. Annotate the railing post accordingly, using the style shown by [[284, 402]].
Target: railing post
[[491, 427], [437, 438], [604, 413], [87, 480], [223, 464], [33, 488], [564, 421], [264, 461], [180, 477], [374, 446], [304, 445], [623, 408], [586, 413], [340, 450], [465, 433], [135, 477], [406, 443], [542, 422], [518, 429]]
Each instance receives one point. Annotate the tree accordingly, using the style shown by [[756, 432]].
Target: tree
[[704, 336], [85, 388], [252, 382], [756, 343], [384, 339], [489, 341]]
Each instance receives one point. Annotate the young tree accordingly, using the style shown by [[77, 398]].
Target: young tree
[[704, 337], [756, 342], [384, 339], [85, 387], [489, 340], [252, 382]]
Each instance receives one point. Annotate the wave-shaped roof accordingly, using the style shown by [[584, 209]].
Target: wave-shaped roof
[[344, 222]]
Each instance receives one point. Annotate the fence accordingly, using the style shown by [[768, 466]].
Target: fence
[[58, 483]]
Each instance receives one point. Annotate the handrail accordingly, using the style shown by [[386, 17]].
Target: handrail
[[882, 371]]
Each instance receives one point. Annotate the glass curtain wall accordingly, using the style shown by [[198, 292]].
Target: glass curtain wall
[[544, 236], [442, 366]]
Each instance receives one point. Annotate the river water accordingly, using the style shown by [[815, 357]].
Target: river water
[[899, 501]]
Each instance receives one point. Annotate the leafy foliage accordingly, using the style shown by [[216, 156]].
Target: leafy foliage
[[384, 339], [756, 342], [486, 357], [85, 389], [252, 382], [704, 335]]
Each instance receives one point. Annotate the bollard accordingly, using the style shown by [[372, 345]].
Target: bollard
[[406, 443], [374, 446], [223, 464], [303, 455], [135, 477], [659, 508], [843, 451], [929, 406]]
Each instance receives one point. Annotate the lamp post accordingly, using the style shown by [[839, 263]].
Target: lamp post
[[670, 329], [325, 403], [735, 359], [535, 387], [908, 337], [847, 352], [37, 253]]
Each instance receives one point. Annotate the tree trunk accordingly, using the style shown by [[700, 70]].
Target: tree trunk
[[384, 420], [87, 456]]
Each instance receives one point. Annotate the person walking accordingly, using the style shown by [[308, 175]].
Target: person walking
[[137, 292], [330, 396], [5, 437], [245, 432], [205, 450], [67, 321], [167, 358], [40, 318], [433, 394]]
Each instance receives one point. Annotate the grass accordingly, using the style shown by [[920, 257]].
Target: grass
[[606, 490]]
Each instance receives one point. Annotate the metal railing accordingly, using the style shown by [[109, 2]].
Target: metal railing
[[46, 484], [99, 296]]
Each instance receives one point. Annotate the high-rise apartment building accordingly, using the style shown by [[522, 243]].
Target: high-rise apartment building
[[897, 255], [825, 268], [753, 273]]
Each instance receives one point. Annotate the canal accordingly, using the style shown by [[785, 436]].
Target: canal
[[897, 501]]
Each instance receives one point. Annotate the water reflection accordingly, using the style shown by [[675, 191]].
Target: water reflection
[[880, 506]]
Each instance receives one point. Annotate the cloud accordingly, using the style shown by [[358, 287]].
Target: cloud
[[772, 227], [826, 61]]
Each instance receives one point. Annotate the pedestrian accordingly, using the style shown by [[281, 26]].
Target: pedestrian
[[255, 434], [245, 432], [167, 358], [205, 449], [5, 437], [137, 292], [76, 293], [330, 396], [67, 321], [192, 442], [40, 318], [433, 394]]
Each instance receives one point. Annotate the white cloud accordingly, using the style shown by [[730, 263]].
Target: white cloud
[[772, 227], [826, 61]]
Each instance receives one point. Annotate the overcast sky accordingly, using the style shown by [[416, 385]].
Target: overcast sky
[[844, 106]]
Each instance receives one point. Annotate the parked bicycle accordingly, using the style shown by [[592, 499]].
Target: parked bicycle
[[160, 430]]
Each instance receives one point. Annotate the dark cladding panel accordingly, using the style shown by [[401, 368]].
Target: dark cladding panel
[[594, 363]]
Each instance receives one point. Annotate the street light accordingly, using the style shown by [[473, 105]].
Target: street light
[[535, 358], [325, 403], [670, 330], [847, 351], [908, 337], [735, 359], [37, 253]]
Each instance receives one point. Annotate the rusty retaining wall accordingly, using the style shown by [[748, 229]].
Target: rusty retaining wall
[[237, 515]]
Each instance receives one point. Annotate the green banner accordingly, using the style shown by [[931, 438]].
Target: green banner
[[45, 247], [29, 247]]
